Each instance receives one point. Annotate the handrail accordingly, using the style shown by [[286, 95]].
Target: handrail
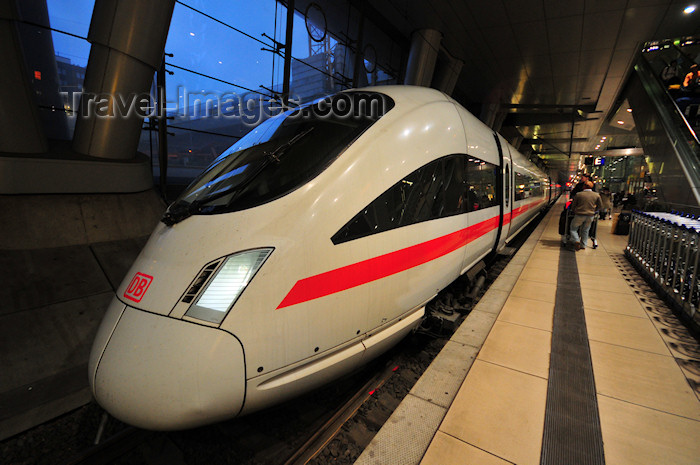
[[685, 142]]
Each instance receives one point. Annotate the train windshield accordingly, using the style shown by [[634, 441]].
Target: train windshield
[[280, 155]]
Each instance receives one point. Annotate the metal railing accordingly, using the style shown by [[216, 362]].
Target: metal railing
[[665, 248]]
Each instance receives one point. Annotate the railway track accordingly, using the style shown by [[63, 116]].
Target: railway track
[[113, 448], [320, 438]]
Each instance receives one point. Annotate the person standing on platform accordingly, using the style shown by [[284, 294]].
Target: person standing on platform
[[584, 206], [585, 177], [605, 197]]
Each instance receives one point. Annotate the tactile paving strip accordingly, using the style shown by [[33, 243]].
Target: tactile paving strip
[[572, 431]]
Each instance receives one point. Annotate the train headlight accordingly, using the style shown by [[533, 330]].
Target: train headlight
[[227, 284]]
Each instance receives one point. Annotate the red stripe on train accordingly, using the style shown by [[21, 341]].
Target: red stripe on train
[[382, 266]]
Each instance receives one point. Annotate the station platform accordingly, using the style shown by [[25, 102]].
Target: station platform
[[569, 358]]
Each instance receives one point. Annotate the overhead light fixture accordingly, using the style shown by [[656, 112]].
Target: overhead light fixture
[[629, 110], [620, 122], [689, 9], [605, 137]]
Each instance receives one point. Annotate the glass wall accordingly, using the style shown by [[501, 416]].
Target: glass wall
[[226, 71], [56, 51], [224, 68], [222, 73], [323, 57]]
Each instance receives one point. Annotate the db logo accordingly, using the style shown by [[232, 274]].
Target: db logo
[[138, 286]]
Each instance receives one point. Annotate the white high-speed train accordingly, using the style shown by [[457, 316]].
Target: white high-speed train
[[306, 249]]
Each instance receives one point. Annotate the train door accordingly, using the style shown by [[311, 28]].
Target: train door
[[506, 188], [508, 198], [483, 174]]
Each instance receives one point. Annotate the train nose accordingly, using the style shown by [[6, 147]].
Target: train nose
[[160, 373]]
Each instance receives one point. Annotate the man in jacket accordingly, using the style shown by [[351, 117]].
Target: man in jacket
[[584, 206]]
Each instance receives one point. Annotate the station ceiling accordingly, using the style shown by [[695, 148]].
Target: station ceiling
[[543, 67]]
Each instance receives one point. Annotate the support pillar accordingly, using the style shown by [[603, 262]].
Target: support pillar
[[128, 40], [20, 126], [425, 45]]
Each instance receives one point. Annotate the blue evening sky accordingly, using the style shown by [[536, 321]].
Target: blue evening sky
[[199, 43]]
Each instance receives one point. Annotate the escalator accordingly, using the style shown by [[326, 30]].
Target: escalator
[[666, 121]]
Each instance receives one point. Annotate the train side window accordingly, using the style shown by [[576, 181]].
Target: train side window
[[481, 178], [522, 186], [536, 188], [433, 191]]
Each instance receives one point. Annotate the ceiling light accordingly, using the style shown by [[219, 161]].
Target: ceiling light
[[620, 122], [689, 9], [629, 110], [605, 137]]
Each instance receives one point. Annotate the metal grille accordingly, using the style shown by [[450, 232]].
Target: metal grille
[[572, 431], [201, 279]]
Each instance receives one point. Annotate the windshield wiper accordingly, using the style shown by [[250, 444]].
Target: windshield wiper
[[182, 210], [179, 211], [279, 151], [275, 155]]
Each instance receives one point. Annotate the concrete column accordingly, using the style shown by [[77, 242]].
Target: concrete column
[[128, 39], [446, 73], [425, 45], [20, 127]]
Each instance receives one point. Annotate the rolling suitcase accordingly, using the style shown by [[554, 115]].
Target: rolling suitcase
[[592, 232], [622, 227]]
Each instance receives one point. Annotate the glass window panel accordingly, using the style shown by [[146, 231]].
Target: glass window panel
[[208, 123], [434, 191], [189, 153], [482, 184], [254, 18], [383, 78], [71, 16], [387, 52], [278, 156], [522, 186], [318, 67], [206, 46], [215, 93], [56, 61]]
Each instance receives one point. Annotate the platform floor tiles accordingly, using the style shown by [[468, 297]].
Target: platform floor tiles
[[646, 383]]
